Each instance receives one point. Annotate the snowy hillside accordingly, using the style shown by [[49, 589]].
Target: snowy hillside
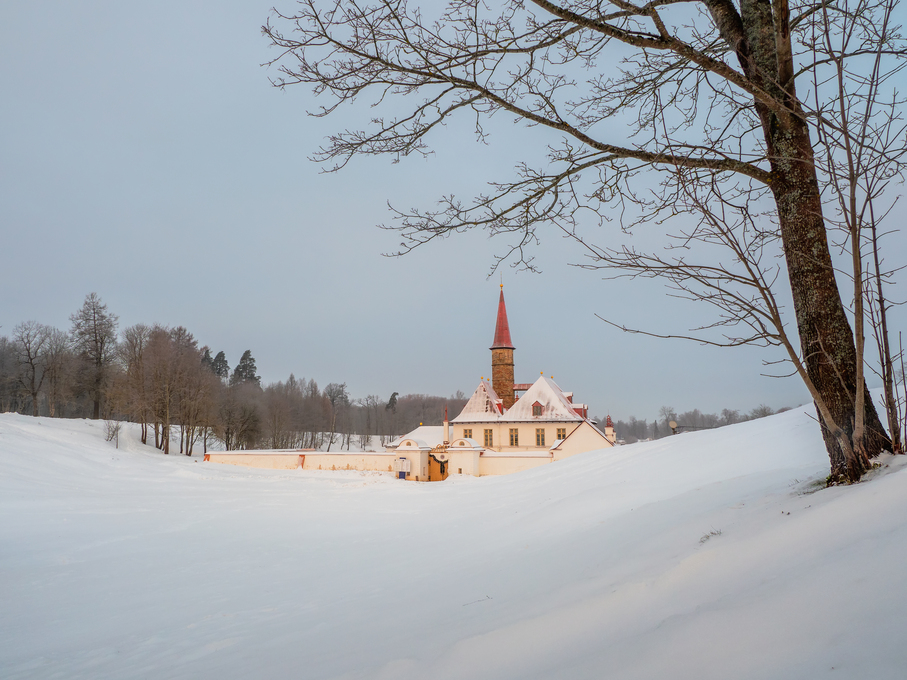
[[708, 555]]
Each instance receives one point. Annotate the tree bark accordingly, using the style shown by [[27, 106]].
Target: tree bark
[[826, 338], [762, 44]]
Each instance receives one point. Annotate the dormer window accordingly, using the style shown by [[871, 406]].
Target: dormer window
[[536, 409]]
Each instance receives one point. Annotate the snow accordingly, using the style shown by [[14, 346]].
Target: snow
[[713, 554]]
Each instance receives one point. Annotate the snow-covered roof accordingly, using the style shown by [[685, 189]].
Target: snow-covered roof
[[546, 393], [465, 444], [432, 435], [483, 406]]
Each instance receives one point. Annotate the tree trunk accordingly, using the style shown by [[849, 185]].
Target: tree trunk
[[826, 338]]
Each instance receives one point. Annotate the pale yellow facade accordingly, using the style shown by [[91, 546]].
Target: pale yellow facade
[[507, 465], [377, 461], [527, 434]]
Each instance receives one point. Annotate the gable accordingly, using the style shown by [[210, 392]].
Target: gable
[[484, 405], [543, 401]]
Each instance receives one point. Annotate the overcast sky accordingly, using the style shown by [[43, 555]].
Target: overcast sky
[[145, 156]]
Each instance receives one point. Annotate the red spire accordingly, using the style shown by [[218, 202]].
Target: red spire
[[502, 327]]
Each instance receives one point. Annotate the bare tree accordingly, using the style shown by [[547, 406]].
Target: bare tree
[[239, 418], [137, 403], [338, 399], [160, 374], [861, 149], [59, 367], [94, 333], [9, 368], [30, 339], [711, 91]]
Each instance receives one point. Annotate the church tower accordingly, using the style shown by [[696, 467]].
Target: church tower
[[502, 357]]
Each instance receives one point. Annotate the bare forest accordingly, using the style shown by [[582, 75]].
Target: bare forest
[[187, 396]]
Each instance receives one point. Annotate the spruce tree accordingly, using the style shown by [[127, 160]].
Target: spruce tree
[[245, 371], [220, 367]]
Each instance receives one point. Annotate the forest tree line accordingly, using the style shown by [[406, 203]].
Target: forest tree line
[[183, 394], [634, 430]]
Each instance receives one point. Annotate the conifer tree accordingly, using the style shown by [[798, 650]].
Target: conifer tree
[[220, 367], [244, 373]]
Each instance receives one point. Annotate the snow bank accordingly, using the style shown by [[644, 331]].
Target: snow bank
[[707, 555]]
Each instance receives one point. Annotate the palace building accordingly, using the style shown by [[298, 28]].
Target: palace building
[[505, 427], [498, 432]]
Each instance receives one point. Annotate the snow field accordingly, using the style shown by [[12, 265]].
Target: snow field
[[714, 554]]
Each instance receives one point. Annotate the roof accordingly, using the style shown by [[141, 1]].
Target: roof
[[546, 392], [432, 435], [502, 327], [483, 406]]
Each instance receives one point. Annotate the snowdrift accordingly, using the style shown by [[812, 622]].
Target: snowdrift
[[715, 554]]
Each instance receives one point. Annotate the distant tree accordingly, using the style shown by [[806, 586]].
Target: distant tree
[[137, 403], [94, 333], [281, 410], [761, 411], [207, 359], [337, 397], [238, 422], [244, 373], [59, 368], [30, 340], [9, 368], [194, 386], [160, 366], [220, 367]]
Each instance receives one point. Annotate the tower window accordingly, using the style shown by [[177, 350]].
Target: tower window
[[514, 436], [540, 436], [489, 438]]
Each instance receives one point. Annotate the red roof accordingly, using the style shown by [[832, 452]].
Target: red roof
[[502, 328]]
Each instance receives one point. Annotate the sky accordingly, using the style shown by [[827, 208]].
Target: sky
[[145, 156]]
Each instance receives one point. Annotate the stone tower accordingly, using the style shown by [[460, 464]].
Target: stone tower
[[502, 357]]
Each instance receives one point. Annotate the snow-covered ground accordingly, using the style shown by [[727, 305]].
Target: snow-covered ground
[[714, 554]]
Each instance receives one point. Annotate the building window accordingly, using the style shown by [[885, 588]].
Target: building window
[[514, 436], [489, 439], [536, 409], [540, 436], [562, 433], [467, 434]]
